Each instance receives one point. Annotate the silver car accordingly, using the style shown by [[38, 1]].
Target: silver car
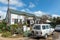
[[57, 28]]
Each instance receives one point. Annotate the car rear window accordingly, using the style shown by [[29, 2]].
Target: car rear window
[[37, 27]]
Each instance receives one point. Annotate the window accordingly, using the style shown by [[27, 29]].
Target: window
[[20, 20], [47, 27], [0, 16], [43, 27], [37, 27], [16, 21]]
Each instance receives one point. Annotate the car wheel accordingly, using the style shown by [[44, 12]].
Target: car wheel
[[52, 33], [46, 36]]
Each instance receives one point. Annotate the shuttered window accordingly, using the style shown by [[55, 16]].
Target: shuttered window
[[15, 21]]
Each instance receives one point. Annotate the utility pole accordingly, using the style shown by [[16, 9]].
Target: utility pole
[[8, 15], [8, 4]]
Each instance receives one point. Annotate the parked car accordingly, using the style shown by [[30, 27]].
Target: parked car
[[42, 30], [57, 28]]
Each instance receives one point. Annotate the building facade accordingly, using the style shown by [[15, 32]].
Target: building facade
[[20, 17]]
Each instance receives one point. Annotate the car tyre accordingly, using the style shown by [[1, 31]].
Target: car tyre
[[46, 36]]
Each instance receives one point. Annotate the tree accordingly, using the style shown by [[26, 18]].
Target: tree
[[44, 18], [3, 25], [55, 21]]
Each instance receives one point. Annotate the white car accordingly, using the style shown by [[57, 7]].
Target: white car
[[42, 30]]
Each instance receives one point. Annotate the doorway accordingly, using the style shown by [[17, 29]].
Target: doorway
[[28, 22]]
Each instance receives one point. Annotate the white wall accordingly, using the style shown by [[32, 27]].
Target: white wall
[[21, 17], [30, 17], [15, 16]]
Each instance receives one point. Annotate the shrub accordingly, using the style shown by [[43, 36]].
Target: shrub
[[26, 33], [0, 31], [19, 31], [14, 25], [13, 28], [6, 34], [16, 29], [3, 25]]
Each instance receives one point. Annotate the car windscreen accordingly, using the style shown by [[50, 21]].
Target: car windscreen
[[37, 27]]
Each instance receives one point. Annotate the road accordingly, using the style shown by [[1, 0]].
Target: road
[[56, 36]]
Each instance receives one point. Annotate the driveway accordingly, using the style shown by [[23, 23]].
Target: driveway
[[56, 36]]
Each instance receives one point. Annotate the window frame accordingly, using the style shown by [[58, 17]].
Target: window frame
[[36, 27], [15, 21], [44, 27]]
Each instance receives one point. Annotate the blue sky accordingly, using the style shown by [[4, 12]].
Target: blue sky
[[38, 7]]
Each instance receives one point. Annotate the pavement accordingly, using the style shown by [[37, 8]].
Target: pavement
[[56, 36]]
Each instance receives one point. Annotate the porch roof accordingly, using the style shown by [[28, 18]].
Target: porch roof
[[20, 12]]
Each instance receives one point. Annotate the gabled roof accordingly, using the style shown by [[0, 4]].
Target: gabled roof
[[20, 12]]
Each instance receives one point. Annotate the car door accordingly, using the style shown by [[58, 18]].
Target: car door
[[51, 30], [47, 29], [43, 30]]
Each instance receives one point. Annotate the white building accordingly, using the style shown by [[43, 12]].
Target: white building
[[15, 16]]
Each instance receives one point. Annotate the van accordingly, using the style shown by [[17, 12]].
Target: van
[[41, 30]]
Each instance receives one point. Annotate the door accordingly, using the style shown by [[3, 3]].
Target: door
[[47, 29], [28, 22], [43, 30], [51, 31]]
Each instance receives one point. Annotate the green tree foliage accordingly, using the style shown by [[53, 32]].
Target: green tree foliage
[[3, 25], [55, 21]]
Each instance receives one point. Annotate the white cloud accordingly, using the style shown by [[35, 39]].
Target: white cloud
[[17, 3], [26, 10], [4, 1], [3, 14], [3, 10], [13, 2], [55, 15], [31, 5], [23, 10], [13, 8], [39, 13]]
